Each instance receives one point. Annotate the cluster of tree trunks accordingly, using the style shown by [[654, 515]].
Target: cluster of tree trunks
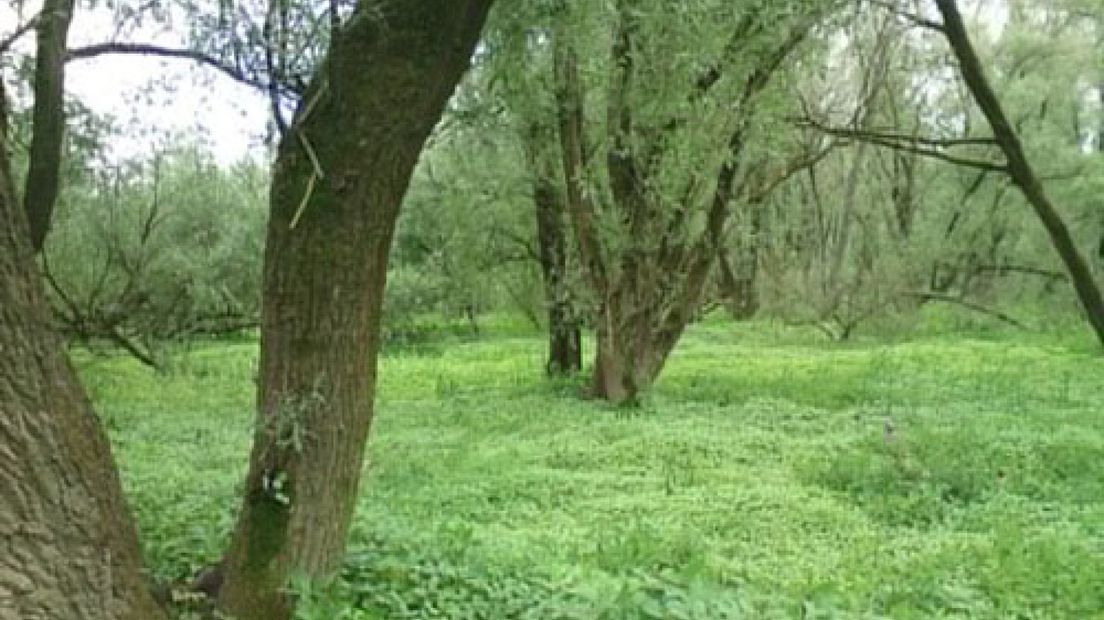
[[342, 170]]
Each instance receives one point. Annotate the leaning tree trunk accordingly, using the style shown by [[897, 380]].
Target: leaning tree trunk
[[338, 181], [68, 547], [1020, 169]]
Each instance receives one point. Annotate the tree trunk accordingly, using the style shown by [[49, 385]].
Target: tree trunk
[[68, 547], [1020, 169], [633, 342], [565, 353], [739, 284], [338, 181], [49, 118]]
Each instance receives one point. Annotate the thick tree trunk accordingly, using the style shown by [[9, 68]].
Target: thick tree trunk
[[68, 547], [338, 182], [1023, 175], [565, 353], [632, 346]]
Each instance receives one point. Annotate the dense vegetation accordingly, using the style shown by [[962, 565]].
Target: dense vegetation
[[709, 309], [758, 481]]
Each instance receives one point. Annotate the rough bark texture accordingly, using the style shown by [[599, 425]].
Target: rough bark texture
[[1020, 169], [68, 548], [340, 175], [565, 342], [49, 118]]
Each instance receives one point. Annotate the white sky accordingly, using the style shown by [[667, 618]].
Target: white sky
[[204, 104]]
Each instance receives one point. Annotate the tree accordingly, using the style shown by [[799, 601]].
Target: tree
[[565, 343], [1019, 167], [157, 249], [341, 172], [340, 175], [49, 117], [650, 185], [520, 81], [72, 549]]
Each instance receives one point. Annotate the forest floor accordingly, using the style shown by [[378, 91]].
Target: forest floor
[[770, 474]]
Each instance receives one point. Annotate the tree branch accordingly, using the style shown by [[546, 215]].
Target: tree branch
[[927, 147], [965, 303], [23, 29], [147, 49], [911, 18]]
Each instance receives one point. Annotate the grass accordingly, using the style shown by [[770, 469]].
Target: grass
[[756, 481]]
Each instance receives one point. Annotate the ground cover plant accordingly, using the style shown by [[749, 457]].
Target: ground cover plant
[[770, 474]]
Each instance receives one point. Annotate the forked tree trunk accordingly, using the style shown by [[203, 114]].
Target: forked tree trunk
[[68, 547], [649, 279], [338, 181], [1020, 169]]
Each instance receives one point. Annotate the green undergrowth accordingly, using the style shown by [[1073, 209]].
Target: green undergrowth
[[770, 474]]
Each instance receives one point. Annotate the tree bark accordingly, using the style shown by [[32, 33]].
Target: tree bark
[[565, 352], [49, 118], [1020, 169], [340, 175], [68, 547]]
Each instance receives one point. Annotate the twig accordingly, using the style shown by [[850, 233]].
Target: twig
[[303, 204], [912, 18], [146, 49], [10, 40], [927, 147], [965, 303], [318, 172]]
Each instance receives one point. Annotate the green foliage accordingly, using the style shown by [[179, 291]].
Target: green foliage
[[757, 481], [464, 243], [159, 248]]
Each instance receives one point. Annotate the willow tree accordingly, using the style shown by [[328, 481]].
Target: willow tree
[[341, 172], [663, 131]]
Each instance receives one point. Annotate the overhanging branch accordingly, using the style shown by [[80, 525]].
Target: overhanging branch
[[147, 49], [924, 146]]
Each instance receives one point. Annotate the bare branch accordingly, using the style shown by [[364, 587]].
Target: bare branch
[[965, 303], [146, 49], [912, 18], [23, 29], [927, 147]]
